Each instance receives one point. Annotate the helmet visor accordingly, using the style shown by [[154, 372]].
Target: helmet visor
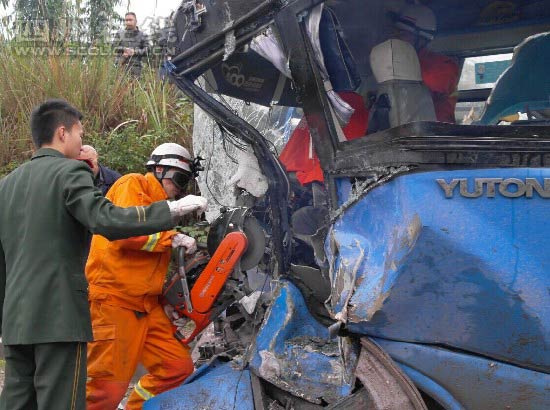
[[179, 178]]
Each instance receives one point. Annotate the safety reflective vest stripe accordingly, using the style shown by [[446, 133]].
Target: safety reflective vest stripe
[[151, 242], [143, 393]]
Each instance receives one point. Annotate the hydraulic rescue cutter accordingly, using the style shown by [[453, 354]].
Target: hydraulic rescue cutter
[[201, 289]]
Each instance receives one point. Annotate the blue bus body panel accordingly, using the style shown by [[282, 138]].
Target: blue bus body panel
[[409, 264], [217, 385], [460, 380], [293, 351]]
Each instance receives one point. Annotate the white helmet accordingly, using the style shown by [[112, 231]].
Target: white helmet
[[172, 155], [418, 19]]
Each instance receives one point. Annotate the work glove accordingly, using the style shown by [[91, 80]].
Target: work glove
[[182, 323], [249, 175], [187, 205], [173, 315], [190, 244]]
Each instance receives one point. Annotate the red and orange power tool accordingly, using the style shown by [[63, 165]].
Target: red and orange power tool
[[235, 241], [197, 305]]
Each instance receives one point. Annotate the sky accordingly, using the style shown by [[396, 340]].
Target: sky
[[149, 8]]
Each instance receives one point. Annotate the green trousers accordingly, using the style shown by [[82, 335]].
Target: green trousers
[[48, 376]]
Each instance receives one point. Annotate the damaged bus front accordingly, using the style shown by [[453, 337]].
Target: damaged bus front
[[404, 262]]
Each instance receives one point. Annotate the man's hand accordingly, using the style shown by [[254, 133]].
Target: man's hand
[[128, 52], [183, 324], [190, 244], [187, 205]]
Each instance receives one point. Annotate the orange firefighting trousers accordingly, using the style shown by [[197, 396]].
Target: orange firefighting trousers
[[122, 339]]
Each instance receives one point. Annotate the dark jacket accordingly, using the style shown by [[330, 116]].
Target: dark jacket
[[135, 39], [106, 178], [47, 207]]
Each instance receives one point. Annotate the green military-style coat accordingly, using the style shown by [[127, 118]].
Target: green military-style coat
[[47, 207]]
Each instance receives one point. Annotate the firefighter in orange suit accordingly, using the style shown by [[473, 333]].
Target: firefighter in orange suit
[[125, 280], [416, 24]]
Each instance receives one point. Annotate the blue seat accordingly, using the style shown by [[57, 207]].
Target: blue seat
[[525, 85]]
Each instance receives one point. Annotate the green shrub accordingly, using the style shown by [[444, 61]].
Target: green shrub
[[124, 118], [126, 149]]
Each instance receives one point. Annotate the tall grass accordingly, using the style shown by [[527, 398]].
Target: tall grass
[[124, 118]]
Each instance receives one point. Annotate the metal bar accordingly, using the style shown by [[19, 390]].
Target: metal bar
[[251, 15], [214, 58], [183, 279], [309, 84]]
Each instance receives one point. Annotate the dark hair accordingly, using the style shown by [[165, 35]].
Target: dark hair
[[131, 13], [48, 116]]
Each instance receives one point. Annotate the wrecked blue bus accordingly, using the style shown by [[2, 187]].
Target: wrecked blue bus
[[407, 267]]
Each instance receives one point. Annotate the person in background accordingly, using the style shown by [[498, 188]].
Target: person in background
[[126, 278], [48, 206], [104, 177], [131, 45], [298, 154], [416, 24]]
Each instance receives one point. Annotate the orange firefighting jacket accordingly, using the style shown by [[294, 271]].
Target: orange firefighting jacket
[[130, 272], [440, 74], [298, 154]]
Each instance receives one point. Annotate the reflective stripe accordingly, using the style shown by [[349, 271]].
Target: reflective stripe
[[76, 376], [141, 392], [139, 210], [151, 242]]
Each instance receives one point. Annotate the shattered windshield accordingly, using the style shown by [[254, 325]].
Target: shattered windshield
[[229, 163]]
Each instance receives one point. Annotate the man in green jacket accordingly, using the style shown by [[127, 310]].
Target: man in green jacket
[[47, 207]]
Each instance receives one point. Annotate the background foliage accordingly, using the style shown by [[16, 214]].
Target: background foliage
[[63, 20], [124, 118]]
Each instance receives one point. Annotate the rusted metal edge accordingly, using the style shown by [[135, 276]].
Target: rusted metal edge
[[389, 387]]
